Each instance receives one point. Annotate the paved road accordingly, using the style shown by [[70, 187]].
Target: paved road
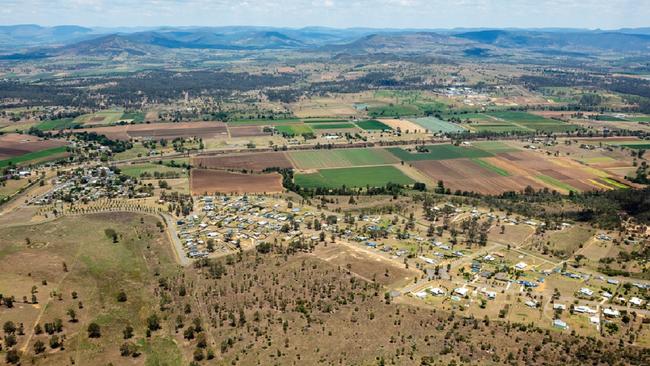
[[181, 257]]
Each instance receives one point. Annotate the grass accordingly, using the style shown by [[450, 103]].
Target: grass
[[491, 167], [436, 125], [637, 146], [137, 117], [440, 152], [340, 158], [57, 124], [533, 121], [135, 152], [376, 176], [393, 110], [494, 147], [42, 155], [372, 125], [294, 130], [556, 183], [324, 120], [136, 170], [162, 352], [331, 126]]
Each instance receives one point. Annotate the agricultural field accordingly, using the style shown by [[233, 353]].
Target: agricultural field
[[294, 129], [247, 131], [254, 162], [402, 125], [372, 125], [151, 171], [166, 131], [439, 152], [108, 117], [436, 125], [340, 158], [512, 121], [332, 126], [376, 176], [219, 181], [58, 124]]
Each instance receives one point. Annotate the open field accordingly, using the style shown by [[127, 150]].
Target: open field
[[57, 124], [213, 181], [375, 176], [15, 145], [36, 157], [439, 152], [340, 158], [372, 125], [247, 131], [403, 125], [332, 126], [149, 170], [108, 117], [166, 131], [86, 267], [256, 162], [294, 129], [436, 125]]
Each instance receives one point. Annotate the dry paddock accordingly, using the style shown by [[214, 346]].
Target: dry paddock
[[167, 131], [13, 144], [255, 162], [220, 181]]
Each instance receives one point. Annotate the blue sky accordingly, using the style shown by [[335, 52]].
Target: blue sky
[[605, 14]]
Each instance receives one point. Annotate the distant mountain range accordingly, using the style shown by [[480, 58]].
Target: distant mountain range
[[33, 41]]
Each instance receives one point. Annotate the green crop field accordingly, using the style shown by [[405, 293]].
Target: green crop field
[[339, 158], [436, 125], [639, 146], [324, 120], [136, 170], [57, 124], [376, 176], [393, 110], [137, 117], [35, 156], [615, 183], [499, 128], [439, 152], [532, 121], [494, 147], [491, 167], [372, 125], [556, 183], [331, 126], [102, 117], [295, 130]]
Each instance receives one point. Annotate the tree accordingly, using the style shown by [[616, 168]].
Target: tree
[[121, 296], [128, 332], [153, 323], [12, 356], [9, 327], [129, 349], [94, 331], [39, 346], [73, 316]]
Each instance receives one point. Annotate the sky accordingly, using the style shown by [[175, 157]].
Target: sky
[[603, 14]]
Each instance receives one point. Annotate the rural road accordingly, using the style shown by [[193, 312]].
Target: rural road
[[179, 252]]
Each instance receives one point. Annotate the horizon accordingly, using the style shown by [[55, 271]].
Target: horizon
[[377, 14]]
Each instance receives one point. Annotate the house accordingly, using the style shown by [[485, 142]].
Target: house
[[490, 294], [462, 291], [636, 301], [584, 309], [531, 303], [521, 266], [611, 313], [489, 258], [559, 307], [557, 323], [420, 295], [587, 292], [436, 291]]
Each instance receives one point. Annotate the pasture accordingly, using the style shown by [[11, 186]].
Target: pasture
[[340, 158], [294, 129], [150, 171], [376, 176], [332, 126], [439, 152], [72, 263], [36, 157]]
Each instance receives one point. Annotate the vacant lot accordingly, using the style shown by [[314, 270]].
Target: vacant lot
[[247, 131], [340, 158], [219, 181], [256, 162], [376, 176], [149, 170]]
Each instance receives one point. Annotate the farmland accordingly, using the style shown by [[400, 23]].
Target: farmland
[[353, 177], [339, 158], [372, 125], [256, 162], [439, 152], [218, 181], [436, 125], [34, 157]]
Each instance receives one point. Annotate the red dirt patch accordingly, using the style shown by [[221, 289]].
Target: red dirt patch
[[255, 162], [213, 181]]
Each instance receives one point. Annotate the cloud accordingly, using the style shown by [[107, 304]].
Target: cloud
[[339, 13]]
